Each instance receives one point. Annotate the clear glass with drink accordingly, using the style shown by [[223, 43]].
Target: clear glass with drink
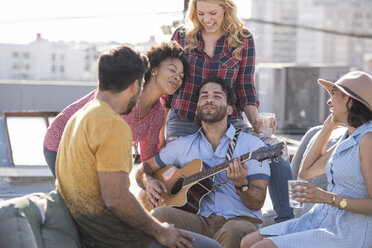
[[267, 124], [292, 184]]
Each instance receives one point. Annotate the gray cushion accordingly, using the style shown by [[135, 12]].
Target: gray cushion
[[297, 158], [37, 220], [319, 181], [15, 229], [59, 229]]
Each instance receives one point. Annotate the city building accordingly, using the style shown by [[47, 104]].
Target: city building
[[313, 31], [274, 43], [351, 19], [60, 61], [41, 60]]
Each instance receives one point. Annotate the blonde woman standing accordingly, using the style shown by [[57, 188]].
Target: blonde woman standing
[[217, 44]]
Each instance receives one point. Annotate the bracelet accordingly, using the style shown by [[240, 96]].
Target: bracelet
[[333, 200]]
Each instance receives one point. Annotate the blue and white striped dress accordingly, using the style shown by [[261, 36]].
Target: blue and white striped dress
[[324, 226]]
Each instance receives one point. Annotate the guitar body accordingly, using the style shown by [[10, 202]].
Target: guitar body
[[186, 187], [187, 198]]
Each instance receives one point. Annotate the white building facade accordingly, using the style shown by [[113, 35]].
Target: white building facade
[[58, 61], [298, 44], [41, 60], [274, 43]]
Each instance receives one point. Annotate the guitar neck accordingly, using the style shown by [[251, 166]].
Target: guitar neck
[[260, 154], [213, 170]]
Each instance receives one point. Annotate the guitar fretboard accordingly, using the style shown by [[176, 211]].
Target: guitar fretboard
[[212, 171], [260, 154]]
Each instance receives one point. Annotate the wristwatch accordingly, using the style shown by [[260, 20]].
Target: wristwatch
[[243, 188], [343, 203]]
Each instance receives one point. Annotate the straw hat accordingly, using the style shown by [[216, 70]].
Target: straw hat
[[356, 84]]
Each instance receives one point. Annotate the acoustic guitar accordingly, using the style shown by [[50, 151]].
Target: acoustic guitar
[[187, 186]]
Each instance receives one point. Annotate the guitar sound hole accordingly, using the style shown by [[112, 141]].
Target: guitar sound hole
[[177, 186]]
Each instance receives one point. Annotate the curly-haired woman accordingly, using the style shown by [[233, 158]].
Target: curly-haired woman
[[166, 74]]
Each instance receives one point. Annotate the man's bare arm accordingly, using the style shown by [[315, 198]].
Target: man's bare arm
[[254, 197], [118, 198]]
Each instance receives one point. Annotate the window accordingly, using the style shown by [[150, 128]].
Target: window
[[25, 132], [357, 25], [358, 15]]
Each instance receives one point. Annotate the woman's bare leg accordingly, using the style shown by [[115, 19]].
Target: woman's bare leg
[[255, 240], [267, 243]]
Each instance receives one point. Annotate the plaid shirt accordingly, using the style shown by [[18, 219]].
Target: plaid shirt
[[239, 75]]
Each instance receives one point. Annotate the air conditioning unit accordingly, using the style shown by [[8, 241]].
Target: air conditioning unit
[[291, 92]]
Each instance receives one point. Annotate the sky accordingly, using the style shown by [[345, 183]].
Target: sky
[[91, 20]]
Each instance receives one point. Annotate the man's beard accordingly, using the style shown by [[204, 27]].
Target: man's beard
[[217, 116], [133, 101]]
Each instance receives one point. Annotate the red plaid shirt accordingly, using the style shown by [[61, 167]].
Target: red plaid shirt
[[239, 75]]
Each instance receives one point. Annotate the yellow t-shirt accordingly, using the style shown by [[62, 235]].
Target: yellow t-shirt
[[95, 139]]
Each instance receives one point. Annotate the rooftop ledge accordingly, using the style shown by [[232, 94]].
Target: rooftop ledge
[[26, 171], [47, 82]]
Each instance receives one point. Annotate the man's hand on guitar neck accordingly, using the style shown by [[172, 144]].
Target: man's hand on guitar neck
[[237, 172]]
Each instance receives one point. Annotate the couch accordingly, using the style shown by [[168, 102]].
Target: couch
[[37, 220], [297, 161], [42, 220]]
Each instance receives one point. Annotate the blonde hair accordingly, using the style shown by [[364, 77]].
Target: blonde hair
[[231, 24]]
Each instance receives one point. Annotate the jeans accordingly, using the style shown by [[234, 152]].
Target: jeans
[[280, 171], [50, 157], [200, 241], [228, 232]]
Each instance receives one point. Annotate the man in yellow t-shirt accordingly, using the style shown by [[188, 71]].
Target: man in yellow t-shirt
[[94, 161]]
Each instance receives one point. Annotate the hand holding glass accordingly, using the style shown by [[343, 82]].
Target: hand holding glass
[[292, 184], [267, 121]]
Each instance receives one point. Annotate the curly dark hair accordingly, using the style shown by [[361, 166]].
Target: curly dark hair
[[119, 68], [358, 113], [157, 53]]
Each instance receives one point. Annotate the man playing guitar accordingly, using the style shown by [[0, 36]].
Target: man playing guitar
[[232, 209]]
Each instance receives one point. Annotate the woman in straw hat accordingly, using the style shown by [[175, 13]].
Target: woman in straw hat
[[343, 215]]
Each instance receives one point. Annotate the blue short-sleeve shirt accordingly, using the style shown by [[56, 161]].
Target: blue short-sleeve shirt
[[223, 200]]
